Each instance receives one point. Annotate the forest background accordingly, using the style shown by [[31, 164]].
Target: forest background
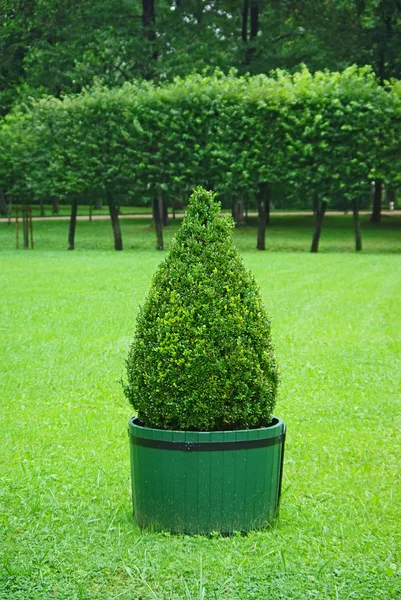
[[55, 47], [62, 50]]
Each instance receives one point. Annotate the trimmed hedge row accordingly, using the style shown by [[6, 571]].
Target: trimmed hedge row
[[320, 136]]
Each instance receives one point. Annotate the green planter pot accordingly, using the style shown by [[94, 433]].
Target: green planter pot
[[199, 482]]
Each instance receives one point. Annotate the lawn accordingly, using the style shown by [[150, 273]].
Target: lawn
[[292, 233], [64, 210], [66, 322]]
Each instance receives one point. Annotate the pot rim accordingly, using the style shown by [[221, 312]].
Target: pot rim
[[134, 424]]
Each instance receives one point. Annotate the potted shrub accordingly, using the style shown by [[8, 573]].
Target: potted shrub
[[206, 451]]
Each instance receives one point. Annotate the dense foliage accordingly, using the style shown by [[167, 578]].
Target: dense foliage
[[323, 135], [202, 357], [54, 47], [318, 138]]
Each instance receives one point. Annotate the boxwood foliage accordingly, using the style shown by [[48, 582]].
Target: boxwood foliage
[[202, 357]]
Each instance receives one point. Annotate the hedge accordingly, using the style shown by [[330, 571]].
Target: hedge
[[319, 136]]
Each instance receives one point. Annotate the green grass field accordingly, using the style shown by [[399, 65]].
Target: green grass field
[[67, 319], [290, 233], [65, 210]]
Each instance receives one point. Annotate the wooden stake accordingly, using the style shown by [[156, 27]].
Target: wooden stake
[[25, 227], [16, 225], [30, 225]]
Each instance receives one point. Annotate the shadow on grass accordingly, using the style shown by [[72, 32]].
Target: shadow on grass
[[293, 233]]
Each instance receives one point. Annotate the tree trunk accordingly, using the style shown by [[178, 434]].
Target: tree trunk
[[25, 225], [42, 208], [98, 203], [148, 18], [263, 201], [149, 30], [254, 19], [54, 205], [73, 222], [157, 219], [315, 206], [268, 205], [377, 202], [250, 12], [245, 12], [10, 211], [319, 222], [16, 228], [357, 226], [30, 225], [3, 203], [237, 212], [382, 66], [166, 220], [115, 223]]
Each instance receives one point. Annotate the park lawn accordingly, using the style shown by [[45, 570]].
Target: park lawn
[[290, 233], [67, 319], [83, 209]]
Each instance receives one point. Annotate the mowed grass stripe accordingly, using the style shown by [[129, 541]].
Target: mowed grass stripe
[[66, 529]]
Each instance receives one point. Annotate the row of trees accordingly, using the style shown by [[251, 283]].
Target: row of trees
[[318, 136], [53, 46]]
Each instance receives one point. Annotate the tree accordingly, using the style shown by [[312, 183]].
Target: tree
[[320, 136], [54, 47], [202, 357]]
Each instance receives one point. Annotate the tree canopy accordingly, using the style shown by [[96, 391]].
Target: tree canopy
[[321, 136], [53, 47]]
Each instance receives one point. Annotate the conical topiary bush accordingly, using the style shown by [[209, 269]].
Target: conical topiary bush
[[202, 357]]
